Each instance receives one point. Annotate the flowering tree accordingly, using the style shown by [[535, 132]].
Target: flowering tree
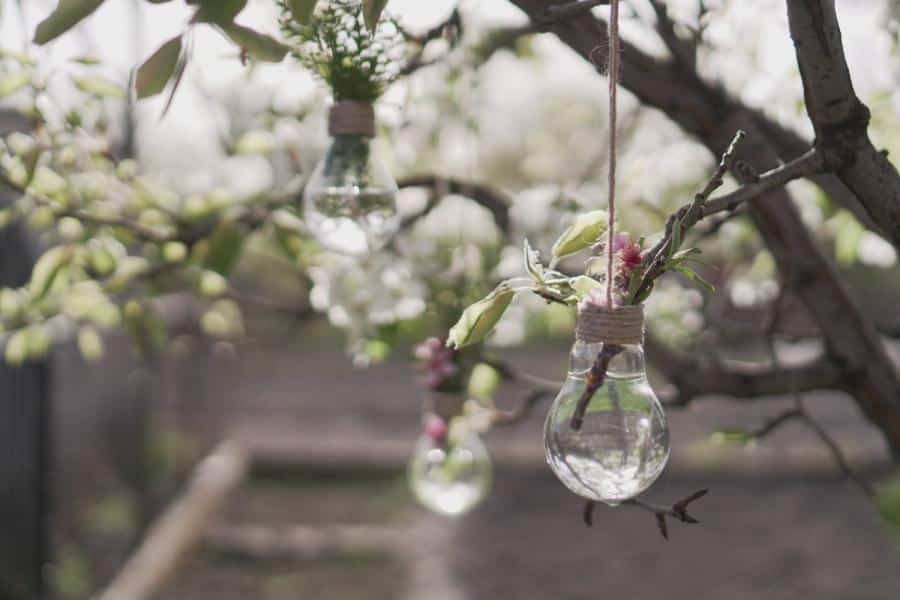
[[118, 238]]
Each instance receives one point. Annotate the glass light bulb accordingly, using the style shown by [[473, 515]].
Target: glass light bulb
[[349, 202], [450, 474], [622, 444]]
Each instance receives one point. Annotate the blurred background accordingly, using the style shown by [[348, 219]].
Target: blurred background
[[301, 398]]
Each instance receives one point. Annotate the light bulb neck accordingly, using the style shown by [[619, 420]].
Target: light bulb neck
[[628, 361], [350, 117]]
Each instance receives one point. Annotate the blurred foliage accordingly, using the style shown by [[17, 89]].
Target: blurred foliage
[[888, 501]]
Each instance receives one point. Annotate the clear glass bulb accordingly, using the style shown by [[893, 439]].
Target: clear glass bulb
[[450, 474], [349, 202], [622, 445]]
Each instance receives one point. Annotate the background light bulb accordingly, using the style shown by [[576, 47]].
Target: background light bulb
[[450, 472], [349, 202], [622, 445]]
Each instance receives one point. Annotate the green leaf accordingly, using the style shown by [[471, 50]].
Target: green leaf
[[372, 10], [533, 262], [67, 14], [582, 233], [14, 82], [220, 12], [732, 436], [46, 270], [583, 284], [676, 239], [302, 10], [682, 256], [257, 45], [100, 86], [155, 73], [87, 60], [225, 246], [696, 278], [479, 319]]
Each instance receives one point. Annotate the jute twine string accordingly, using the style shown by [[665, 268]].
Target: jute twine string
[[613, 88], [611, 324], [352, 118], [622, 325]]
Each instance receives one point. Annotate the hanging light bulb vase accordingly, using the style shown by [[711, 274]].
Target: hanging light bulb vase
[[349, 202], [606, 436], [450, 472]]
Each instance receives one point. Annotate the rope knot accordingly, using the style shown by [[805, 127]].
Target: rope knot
[[621, 325]]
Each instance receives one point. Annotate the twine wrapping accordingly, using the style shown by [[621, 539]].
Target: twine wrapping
[[352, 118], [622, 325]]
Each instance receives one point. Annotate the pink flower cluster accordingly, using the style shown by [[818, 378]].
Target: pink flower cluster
[[627, 257], [438, 362], [435, 429]]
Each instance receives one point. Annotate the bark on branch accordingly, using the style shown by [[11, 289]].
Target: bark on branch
[[839, 117], [693, 378], [489, 198]]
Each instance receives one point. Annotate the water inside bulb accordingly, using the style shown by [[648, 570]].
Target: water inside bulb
[[622, 444], [451, 475], [349, 202]]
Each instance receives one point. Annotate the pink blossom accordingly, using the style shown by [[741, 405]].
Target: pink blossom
[[435, 428], [627, 251], [437, 361]]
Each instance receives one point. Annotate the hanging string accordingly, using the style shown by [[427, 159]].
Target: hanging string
[[613, 89]]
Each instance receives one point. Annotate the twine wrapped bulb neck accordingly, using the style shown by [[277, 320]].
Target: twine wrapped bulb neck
[[349, 201], [351, 117], [619, 325]]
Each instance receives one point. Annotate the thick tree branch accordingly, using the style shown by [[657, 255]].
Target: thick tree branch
[[693, 378], [839, 118], [683, 51]]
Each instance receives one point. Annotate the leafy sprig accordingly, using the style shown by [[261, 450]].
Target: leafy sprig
[[636, 271], [336, 44]]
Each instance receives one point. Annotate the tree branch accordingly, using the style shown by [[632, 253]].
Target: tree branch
[[491, 199], [801, 167], [677, 511], [683, 51], [839, 117], [693, 378]]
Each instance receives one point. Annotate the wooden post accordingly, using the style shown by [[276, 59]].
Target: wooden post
[[24, 453]]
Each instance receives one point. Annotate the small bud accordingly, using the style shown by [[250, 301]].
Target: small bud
[[212, 285], [174, 252], [90, 344], [70, 228], [16, 349]]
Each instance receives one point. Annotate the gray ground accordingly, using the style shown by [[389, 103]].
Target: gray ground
[[778, 522]]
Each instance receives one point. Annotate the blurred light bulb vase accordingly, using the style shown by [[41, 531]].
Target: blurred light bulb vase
[[606, 436], [450, 471], [350, 200]]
